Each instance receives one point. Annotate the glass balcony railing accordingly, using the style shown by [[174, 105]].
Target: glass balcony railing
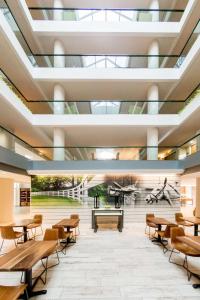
[[12, 142], [98, 61], [108, 61], [98, 107], [106, 15]]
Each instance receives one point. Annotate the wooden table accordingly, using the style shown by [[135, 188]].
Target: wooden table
[[196, 222], [108, 213], [20, 223], [160, 222], [23, 258], [69, 224], [193, 242]]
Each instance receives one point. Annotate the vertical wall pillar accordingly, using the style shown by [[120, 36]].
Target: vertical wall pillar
[[59, 141], [58, 14], [153, 95], [153, 59], [6, 200], [152, 142], [59, 95], [59, 51], [155, 14], [197, 214]]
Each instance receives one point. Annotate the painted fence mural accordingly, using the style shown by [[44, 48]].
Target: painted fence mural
[[132, 190]]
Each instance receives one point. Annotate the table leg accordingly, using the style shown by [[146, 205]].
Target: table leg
[[95, 224], [70, 240], [157, 239], [25, 234], [196, 229], [30, 285]]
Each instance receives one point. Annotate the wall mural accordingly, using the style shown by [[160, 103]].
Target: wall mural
[[134, 190]]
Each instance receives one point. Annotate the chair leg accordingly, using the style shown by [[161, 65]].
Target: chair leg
[[57, 256], [45, 271], [145, 231], [1, 245], [185, 265], [15, 243], [21, 279]]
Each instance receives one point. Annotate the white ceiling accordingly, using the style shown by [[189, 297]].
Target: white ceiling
[[104, 44]]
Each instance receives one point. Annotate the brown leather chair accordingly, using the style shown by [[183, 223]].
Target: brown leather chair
[[165, 235], [183, 248], [63, 236], [76, 217], [150, 224], [8, 233], [13, 292], [37, 222], [181, 221], [50, 235]]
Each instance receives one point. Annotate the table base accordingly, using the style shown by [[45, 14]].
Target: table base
[[37, 293]]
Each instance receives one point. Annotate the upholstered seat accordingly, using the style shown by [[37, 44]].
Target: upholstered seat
[[150, 224], [181, 221], [181, 247]]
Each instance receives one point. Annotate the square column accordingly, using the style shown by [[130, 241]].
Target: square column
[[6, 200], [152, 143]]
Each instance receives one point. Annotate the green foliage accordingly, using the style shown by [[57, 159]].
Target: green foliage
[[100, 190], [55, 183]]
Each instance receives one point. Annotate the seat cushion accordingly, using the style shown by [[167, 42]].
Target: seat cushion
[[187, 250]]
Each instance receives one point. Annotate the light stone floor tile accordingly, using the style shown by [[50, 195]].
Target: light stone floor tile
[[109, 265]]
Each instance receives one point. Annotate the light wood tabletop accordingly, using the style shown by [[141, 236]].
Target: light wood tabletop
[[192, 241], [193, 220], [26, 256], [18, 223], [161, 221], [71, 223]]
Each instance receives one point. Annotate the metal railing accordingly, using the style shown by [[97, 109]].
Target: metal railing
[[98, 61], [106, 15], [14, 143], [105, 106]]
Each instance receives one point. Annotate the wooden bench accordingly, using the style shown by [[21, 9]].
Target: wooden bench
[[11, 292]]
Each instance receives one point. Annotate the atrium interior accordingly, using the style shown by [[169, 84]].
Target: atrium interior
[[99, 149]]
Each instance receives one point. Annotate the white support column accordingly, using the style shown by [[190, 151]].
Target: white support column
[[152, 141], [59, 141], [59, 61], [59, 95], [58, 14], [155, 14], [153, 61], [153, 95], [6, 200]]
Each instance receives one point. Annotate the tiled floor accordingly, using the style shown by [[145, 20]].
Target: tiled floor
[[115, 266]]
